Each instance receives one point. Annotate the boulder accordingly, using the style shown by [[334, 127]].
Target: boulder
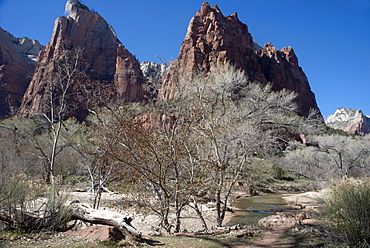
[[102, 233], [282, 220]]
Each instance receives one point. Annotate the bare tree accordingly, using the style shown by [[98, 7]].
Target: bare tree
[[67, 72], [236, 119], [200, 142], [333, 156], [100, 172], [346, 153], [156, 158]]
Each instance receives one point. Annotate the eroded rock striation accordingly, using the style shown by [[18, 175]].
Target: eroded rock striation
[[213, 40], [350, 120], [109, 62], [17, 63]]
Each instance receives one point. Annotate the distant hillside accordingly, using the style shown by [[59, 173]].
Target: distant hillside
[[17, 63]]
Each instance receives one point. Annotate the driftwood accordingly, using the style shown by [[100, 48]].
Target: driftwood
[[83, 212]]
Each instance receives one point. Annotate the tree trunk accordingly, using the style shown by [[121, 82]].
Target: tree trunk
[[82, 212], [199, 213], [178, 221]]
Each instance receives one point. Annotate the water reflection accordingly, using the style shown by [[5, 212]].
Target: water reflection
[[255, 208]]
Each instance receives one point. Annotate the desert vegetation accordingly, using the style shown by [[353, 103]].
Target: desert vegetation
[[347, 207], [172, 155], [330, 156]]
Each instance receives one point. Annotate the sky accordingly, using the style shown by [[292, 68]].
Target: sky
[[331, 38]]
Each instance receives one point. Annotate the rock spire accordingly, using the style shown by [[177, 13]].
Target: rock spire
[[107, 59]]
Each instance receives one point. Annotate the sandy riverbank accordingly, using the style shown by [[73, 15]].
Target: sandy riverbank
[[147, 222], [307, 200]]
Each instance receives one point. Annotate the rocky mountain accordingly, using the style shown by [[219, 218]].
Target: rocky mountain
[[349, 120], [17, 63], [109, 62], [212, 40]]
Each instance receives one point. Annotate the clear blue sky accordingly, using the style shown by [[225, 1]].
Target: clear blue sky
[[330, 37]]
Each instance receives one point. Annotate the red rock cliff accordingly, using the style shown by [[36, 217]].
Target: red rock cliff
[[281, 68], [212, 40], [108, 60], [17, 65]]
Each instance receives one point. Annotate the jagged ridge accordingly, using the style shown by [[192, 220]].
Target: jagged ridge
[[212, 40]]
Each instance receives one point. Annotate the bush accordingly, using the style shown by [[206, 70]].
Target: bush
[[31, 206], [347, 210], [278, 172]]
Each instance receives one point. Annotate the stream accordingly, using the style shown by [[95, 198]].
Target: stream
[[252, 209]]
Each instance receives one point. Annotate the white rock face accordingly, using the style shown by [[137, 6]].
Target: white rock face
[[153, 71], [349, 120], [29, 49]]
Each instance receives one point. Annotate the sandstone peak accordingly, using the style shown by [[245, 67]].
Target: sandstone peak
[[350, 120], [282, 69], [110, 63], [214, 40], [286, 53], [27, 48], [206, 8], [73, 5]]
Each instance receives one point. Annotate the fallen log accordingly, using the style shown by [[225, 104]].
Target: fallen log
[[83, 212]]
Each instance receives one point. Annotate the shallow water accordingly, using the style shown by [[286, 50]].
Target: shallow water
[[255, 208]]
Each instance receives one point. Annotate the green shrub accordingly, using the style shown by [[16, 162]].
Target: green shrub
[[278, 172], [347, 210], [73, 179]]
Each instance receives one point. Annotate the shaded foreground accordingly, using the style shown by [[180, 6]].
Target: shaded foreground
[[306, 235]]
